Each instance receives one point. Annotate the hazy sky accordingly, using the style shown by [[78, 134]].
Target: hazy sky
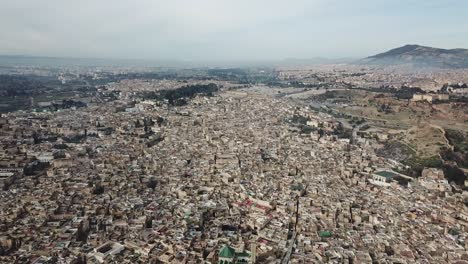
[[227, 29]]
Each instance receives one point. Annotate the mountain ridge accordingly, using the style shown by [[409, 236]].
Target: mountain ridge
[[420, 56]]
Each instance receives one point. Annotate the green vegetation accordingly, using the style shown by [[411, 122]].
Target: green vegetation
[[35, 168], [396, 150], [401, 152], [245, 76], [174, 96], [19, 85], [418, 163], [179, 96], [298, 119], [75, 138], [459, 154], [458, 139], [301, 123], [155, 141], [356, 120], [98, 189], [307, 129], [461, 159], [454, 174], [16, 91], [342, 132], [152, 183]]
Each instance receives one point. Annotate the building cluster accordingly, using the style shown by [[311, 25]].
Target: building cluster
[[430, 97], [223, 179], [361, 76]]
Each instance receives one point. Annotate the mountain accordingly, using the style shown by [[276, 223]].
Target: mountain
[[421, 56]]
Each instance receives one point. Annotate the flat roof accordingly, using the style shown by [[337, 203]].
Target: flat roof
[[386, 174]]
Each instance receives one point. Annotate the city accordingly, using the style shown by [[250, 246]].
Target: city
[[230, 174], [229, 132]]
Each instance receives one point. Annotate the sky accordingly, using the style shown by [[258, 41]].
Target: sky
[[227, 30]]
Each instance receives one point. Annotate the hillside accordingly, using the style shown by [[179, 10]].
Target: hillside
[[421, 56]]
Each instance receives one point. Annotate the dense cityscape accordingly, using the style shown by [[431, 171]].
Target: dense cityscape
[[234, 132], [211, 170]]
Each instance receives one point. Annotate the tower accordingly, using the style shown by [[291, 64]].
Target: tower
[[253, 252]]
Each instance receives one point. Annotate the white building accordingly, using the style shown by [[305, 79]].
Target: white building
[[106, 250], [382, 178], [45, 157]]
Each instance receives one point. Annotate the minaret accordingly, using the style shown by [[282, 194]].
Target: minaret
[[253, 252], [297, 213]]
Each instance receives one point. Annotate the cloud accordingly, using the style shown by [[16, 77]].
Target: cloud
[[216, 29]]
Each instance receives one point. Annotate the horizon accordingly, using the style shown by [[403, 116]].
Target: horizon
[[227, 31], [34, 56], [318, 60]]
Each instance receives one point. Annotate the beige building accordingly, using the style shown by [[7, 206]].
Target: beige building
[[430, 97]]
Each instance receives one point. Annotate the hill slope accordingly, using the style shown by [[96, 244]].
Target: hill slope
[[421, 56]]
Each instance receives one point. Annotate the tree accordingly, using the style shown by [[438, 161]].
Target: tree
[[152, 183], [82, 233], [98, 189], [149, 222]]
